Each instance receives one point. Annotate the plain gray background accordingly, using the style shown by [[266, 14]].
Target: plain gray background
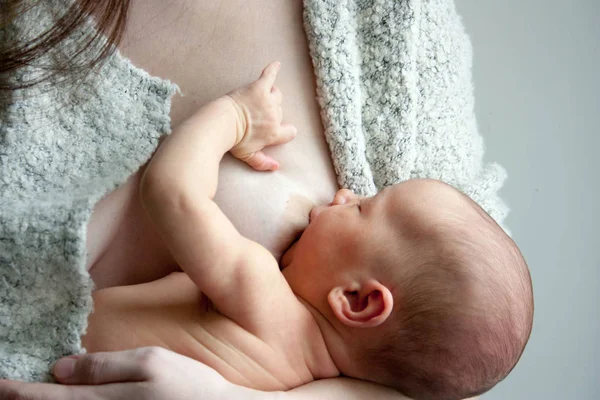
[[537, 91]]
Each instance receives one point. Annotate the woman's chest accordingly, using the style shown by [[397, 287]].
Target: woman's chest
[[125, 248], [209, 48]]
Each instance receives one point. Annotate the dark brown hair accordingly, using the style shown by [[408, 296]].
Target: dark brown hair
[[109, 16]]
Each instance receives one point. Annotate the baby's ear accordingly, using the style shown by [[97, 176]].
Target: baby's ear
[[362, 305]]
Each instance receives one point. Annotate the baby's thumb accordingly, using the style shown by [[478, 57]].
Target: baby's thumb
[[287, 132], [262, 162]]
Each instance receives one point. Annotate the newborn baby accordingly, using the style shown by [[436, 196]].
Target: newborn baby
[[416, 288]]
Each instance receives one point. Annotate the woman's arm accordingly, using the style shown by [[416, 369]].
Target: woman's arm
[[342, 388], [153, 373]]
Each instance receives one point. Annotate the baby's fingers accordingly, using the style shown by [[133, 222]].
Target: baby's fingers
[[277, 95], [269, 75], [262, 162]]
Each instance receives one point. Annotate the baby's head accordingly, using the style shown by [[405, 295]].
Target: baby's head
[[418, 287]]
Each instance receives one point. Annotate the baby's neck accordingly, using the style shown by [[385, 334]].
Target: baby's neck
[[318, 357]]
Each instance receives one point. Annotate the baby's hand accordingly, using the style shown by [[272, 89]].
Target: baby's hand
[[259, 114]]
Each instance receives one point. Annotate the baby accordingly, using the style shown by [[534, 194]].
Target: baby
[[416, 288]]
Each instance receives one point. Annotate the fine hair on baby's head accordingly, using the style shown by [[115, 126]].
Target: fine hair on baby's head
[[462, 309]]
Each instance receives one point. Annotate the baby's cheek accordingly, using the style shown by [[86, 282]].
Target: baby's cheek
[[353, 238]]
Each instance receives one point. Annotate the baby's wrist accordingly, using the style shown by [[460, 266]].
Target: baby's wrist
[[239, 112]]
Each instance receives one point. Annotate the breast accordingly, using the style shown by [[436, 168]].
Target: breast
[[209, 48]]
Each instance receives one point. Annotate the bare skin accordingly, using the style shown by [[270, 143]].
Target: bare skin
[[237, 274], [208, 48]]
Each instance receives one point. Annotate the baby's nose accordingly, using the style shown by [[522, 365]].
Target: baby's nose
[[342, 197]]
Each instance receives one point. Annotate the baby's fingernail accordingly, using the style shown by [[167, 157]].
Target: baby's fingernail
[[65, 368]]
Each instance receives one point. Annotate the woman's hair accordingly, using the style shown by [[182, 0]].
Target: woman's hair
[[109, 16]]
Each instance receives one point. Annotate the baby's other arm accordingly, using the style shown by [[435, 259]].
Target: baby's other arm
[[238, 275]]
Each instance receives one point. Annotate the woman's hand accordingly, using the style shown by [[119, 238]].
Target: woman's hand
[[260, 114], [150, 373], [153, 373]]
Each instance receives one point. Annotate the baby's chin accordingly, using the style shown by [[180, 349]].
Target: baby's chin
[[288, 255]]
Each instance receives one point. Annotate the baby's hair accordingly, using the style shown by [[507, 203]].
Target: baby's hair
[[463, 313]]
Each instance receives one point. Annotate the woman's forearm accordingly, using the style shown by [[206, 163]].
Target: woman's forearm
[[341, 389], [324, 389]]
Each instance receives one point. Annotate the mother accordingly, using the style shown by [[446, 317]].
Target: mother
[[208, 48]]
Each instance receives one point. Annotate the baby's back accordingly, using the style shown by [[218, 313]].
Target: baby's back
[[173, 313]]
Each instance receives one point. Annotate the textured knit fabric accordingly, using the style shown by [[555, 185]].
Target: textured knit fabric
[[395, 89], [394, 86]]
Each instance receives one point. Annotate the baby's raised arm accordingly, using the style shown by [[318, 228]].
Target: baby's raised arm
[[238, 275]]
